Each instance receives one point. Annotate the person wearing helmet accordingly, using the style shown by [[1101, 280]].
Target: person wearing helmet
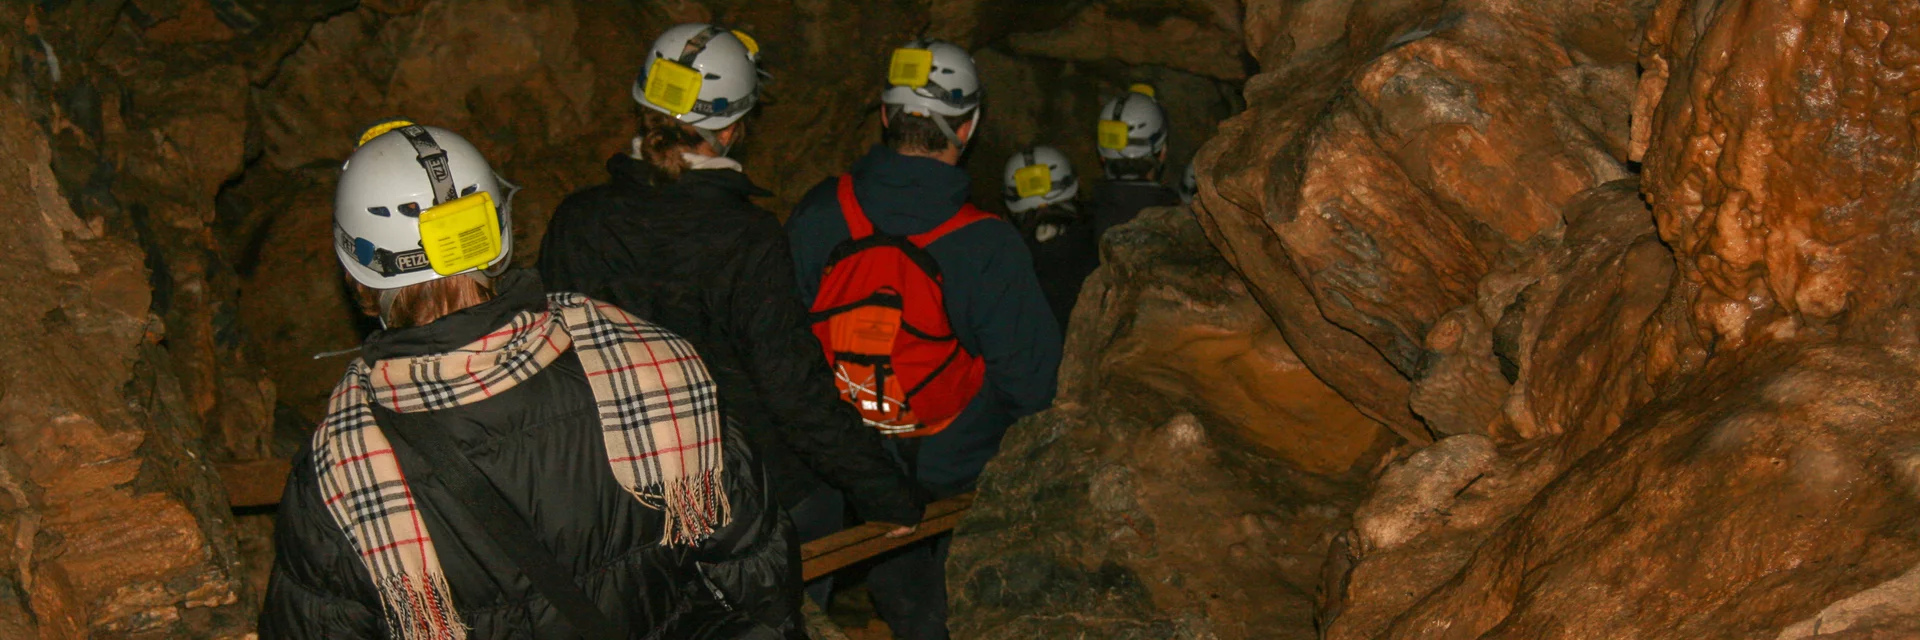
[[1133, 149], [492, 465], [1040, 191], [1189, 185], [674, 238], [908, 187]]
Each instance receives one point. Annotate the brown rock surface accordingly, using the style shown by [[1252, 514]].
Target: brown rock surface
[[1781, 155], [1445, 193], [1189, 478], [118, 528]]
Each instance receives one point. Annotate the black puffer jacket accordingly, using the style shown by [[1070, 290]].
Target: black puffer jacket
[[540, 444], [697, 257], [1069, 252], [1116, 202]]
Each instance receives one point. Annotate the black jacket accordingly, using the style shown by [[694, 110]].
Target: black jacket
[[1062, 261], [697, 257], [1116, 202], [540, 443], [993, 300]]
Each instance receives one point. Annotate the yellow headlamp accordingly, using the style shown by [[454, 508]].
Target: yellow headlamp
[[461, 234], [673, 86], [753, 47], [1036, 180], [910, 67], [1113, 134], [1142, 88]]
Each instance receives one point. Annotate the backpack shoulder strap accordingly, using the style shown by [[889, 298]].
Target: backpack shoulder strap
[[967, 215], [482, 501], [858, 226]]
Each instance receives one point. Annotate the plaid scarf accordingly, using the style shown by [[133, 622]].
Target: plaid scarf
[[659, 414]]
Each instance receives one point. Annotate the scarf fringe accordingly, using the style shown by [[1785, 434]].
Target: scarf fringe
[[417, 611], [694, 507]]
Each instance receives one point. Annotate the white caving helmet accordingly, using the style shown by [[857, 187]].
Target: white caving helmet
[[1189, 185], [703, 75], [1132, 125], [930, 78], [1039, 176], [418, 203]]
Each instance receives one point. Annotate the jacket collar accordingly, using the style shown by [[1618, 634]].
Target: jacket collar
[[913, 186], [636, 175], [515, 291]]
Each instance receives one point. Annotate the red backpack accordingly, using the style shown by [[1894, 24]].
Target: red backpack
[[882, 317]]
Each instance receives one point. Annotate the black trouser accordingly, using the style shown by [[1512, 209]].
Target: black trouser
[[909, 584], [909, 589], [821, 514]]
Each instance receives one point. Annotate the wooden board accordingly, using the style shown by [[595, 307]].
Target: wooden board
[[837, 551]]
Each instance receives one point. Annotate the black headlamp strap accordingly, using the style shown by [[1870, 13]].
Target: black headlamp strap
[[698, 44], [433, 159]]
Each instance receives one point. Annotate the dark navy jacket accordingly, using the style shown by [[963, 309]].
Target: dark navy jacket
[[993, 299]]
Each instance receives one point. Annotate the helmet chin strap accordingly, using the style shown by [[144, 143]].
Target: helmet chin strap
[[713, 138], [947, 130], [387, 296]]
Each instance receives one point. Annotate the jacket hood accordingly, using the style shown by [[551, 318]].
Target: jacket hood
[[514, 291], [921, 192]]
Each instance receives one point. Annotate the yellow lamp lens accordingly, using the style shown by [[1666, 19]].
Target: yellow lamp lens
[[1113, 134], [461, 234], [1142, 88], [910, 67], [673, 86], [1036, 180]]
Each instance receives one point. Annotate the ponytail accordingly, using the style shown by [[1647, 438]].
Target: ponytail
[[662, 141]]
